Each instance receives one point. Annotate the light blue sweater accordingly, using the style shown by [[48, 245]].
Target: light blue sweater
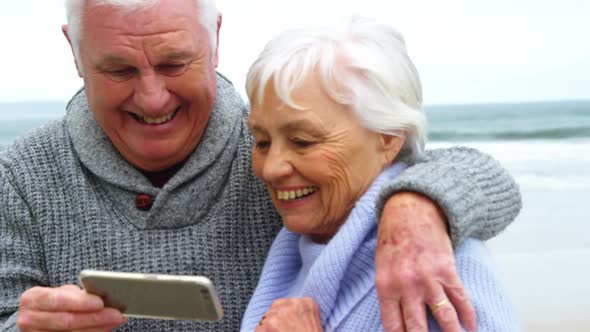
[[342, 278]]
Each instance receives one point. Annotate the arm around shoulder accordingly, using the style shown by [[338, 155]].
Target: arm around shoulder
[[478, 196]]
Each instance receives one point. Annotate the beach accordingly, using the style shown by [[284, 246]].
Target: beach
[[544, 255]]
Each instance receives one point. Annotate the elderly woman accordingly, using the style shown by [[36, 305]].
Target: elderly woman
[[336, 114]]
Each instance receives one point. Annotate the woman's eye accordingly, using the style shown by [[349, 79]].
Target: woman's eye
[[300, 143], [262, 144]]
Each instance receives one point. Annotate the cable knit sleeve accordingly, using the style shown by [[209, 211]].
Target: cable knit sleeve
[[21, 253], [478, 196]]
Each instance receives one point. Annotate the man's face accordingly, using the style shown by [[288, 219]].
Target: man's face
[[150, 79]]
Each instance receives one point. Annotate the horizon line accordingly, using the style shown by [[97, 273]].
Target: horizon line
[[530, 101]]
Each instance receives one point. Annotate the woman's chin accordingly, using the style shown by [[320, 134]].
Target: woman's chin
[[297, 225]]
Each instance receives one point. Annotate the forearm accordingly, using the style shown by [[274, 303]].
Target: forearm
[[476, 194]]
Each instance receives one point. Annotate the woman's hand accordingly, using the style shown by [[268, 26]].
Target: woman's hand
[[291, 315], [415, 268], [65, 308]]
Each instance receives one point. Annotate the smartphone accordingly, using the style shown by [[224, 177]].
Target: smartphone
[[155, 295]]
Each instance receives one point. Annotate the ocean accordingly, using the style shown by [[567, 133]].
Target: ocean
[[459, 124], [510, 121], [544, 254], [16, 119]]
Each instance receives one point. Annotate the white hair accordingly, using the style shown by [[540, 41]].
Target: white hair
[[361, 64], [74, 9]]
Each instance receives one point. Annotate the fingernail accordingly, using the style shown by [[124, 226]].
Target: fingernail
[[122, 319], [115, 316], [95, 303]]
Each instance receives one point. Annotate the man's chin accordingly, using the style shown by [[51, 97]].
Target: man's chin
[[153, 155], [155, 162]]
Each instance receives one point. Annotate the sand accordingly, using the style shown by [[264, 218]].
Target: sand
[[544, 258]]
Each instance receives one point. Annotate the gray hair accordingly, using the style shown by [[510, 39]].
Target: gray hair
[[74, 9], [361, 64]]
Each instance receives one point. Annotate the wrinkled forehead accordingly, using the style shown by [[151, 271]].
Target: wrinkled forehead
[[123, 5], [154, 18], [108, 26]]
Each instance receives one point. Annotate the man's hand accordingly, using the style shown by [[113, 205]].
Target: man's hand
[[291, 315], [66, 308], [415, 268]]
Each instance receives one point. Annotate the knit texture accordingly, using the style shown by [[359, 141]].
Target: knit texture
[[67, 203], [487, 291], [483, 181], [342, 278]]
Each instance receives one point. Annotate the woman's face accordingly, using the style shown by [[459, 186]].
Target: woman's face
[[316, 162]]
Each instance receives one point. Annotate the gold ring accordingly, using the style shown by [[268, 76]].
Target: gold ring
[[439, 305]]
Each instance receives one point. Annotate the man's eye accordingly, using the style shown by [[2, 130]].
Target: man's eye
[[120, 74], [172, 69]]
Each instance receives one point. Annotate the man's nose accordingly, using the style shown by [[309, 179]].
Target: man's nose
[[277, 165], [151, 94]]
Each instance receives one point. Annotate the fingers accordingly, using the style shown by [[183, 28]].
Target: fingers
[[292, 315], [414, 314], [414, 263], [65, 308], [98, 329], [443, 311], [313, 319], [64, 298], [391, 315], [460, 300], [106, 319]]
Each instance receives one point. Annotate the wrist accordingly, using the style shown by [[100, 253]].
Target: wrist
[[412, 207]]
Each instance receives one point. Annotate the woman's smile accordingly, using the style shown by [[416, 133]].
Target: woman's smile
[[289, 195]]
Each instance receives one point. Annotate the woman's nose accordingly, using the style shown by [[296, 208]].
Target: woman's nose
[[276, 165]]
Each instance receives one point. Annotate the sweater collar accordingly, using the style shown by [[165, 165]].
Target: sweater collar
[[100, 156], [339, 278], [207, 167]]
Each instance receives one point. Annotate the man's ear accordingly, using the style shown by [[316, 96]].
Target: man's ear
[[391, 145], [64, 30], [216, 56]]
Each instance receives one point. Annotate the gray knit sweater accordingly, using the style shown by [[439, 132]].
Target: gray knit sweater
[[67, 203]]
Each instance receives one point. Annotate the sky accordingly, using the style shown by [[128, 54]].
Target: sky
[[467, 51]]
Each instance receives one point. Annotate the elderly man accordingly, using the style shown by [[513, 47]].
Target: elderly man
[[150, 171]]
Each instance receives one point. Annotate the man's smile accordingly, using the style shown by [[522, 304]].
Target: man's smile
[[155, 121]]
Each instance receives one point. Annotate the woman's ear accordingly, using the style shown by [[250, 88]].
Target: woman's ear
[[391, 146]]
